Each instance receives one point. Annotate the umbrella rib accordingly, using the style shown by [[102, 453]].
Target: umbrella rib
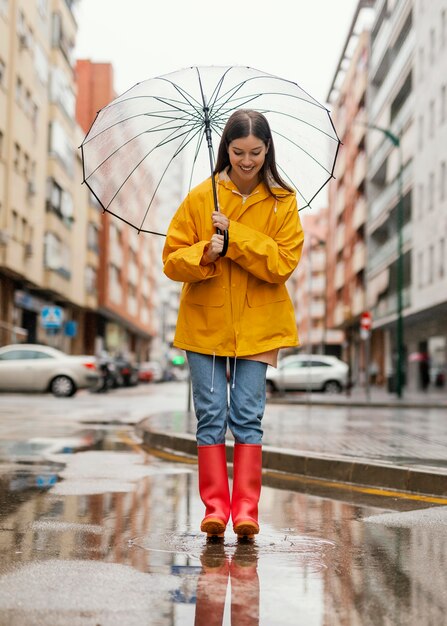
[[249, 98], [173, 137], [236, 88], [151, 130], [138, 164], [297, 145], [176, 153]]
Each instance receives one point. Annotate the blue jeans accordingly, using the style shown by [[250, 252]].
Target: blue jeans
[[218, 403]]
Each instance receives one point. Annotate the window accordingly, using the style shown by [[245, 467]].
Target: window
[[431, 127], [420, 132], [90, 279], [431, 188], [443, 182], [92, 237], [421, 63], [443, 103], [16, 157], [2, 73], [432, 45], [19, 89], [420, 269], [16, 355], [420, 200], [443, 29], [442, 257], [431, 259]]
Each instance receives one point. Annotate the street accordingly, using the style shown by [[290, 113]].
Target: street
[[95, 530]]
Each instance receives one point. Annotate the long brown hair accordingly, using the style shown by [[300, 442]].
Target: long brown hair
[[243, 123]]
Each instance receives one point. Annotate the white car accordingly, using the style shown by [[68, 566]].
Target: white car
[[34, 367], [300, 372]]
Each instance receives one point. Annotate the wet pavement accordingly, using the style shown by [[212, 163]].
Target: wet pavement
[[104, 534], [96, 531]]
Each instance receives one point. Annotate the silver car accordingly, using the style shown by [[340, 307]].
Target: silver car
[[300, 372], [34, 367]]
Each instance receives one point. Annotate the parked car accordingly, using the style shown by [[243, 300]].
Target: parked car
[[150, 371], [35, 367], [299, 372]]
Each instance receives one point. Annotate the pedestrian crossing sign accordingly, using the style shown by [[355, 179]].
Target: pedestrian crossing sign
[[51, 317]]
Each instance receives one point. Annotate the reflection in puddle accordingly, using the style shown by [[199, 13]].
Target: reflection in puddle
[[135, 557]]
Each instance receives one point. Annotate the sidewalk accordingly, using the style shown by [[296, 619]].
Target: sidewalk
[[377, 397], [379, 445]]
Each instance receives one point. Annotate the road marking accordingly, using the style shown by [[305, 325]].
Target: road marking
[[170, 456]]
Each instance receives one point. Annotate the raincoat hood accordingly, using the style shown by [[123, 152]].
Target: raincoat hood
[[239, 305]]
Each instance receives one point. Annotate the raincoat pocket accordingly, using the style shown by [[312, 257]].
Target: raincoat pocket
[[262, 293], [204, 295]]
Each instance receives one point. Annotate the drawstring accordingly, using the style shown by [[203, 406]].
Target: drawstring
[[234, 373], [212, 374], [276, 205]]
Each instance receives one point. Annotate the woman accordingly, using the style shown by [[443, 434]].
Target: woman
[[234, 306]]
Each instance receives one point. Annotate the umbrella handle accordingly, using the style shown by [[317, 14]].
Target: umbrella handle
[[225, 245]]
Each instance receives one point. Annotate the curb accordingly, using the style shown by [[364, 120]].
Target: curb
[[360, 472]]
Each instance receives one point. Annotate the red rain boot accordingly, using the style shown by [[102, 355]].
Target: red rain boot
[[247, 479], [214, 489]]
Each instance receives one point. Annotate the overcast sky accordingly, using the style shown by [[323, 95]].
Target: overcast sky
[[146, 38]]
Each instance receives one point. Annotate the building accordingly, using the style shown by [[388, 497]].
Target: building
[[347, 216], [126, 272], [43, 214], [308, 288], [425, 325]]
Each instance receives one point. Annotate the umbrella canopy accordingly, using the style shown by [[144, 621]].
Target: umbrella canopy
[[161, 132]]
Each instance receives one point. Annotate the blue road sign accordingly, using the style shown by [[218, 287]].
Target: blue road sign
[[51, 317]]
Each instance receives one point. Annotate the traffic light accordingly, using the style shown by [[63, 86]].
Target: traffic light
[[178, 360]]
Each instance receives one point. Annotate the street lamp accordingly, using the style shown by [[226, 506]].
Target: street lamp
[[396, 141]]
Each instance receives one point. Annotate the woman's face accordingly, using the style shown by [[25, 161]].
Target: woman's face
[[247, 156]]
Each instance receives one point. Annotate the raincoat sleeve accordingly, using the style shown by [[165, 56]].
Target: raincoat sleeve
[[183, 250], [270, 258]]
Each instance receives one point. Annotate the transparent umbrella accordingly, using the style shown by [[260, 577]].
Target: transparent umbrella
[[166, 126]]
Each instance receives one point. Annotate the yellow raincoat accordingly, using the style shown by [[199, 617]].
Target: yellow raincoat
[[239, 305]]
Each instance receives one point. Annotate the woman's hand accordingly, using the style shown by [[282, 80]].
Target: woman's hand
[[213, 249], [220, 221]]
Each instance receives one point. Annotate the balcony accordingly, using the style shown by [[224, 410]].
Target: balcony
[[389, 197], [388, 305], [133, 274], [358, 302], [340, 202], [339, 317], [359, 257], [339, 276], [317, 309], [360, 213], [116, 254], [394, 77], [318, 285], [387, 253], [359, 126], [340, 238], [116, 292], [359, 173]]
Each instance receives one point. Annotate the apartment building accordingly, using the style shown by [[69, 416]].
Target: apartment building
[[347, 216], [42, 236], [126, 272], [391, 110], [308, 287], [425, 327]]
